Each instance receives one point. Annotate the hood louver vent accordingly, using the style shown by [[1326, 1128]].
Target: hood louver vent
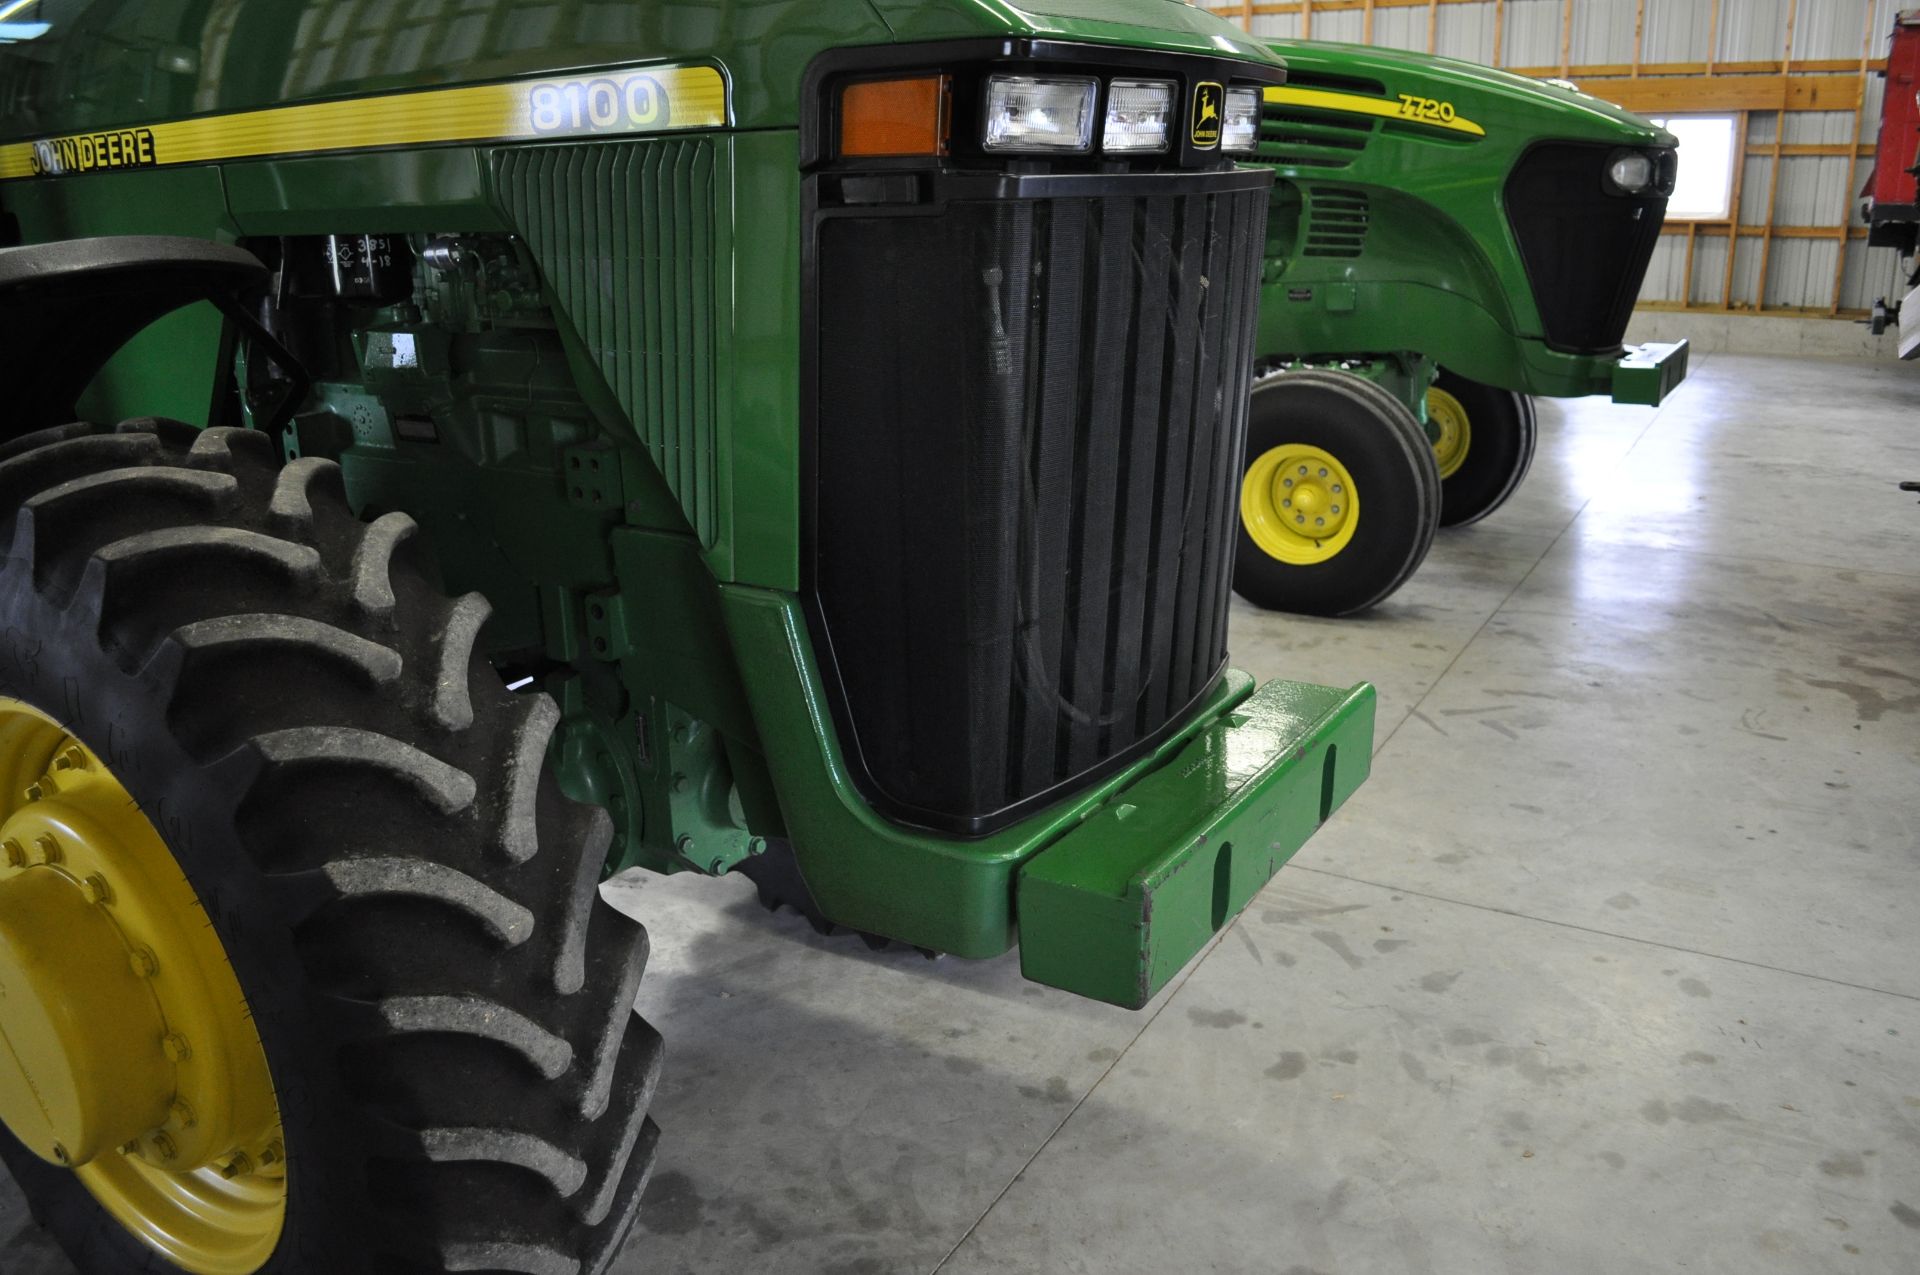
[[1336, 222]]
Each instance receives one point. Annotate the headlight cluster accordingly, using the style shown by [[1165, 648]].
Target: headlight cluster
[[1055, 113]]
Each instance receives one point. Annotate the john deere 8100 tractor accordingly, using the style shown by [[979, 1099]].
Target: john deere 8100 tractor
[[1446, 240], [461, 449]]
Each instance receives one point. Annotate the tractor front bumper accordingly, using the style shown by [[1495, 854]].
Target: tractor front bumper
[[1646, 374], [1120, 904]]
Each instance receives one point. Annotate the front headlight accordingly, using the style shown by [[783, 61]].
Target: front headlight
[[1631, 171], [1039, 113], [1240, 131], [1137, 115]]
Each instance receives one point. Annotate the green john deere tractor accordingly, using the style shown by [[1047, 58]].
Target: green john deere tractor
[[1446, 240], [462, 449]]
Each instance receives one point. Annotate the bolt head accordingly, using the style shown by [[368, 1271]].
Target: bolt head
[[97, 890], [61, 1154], [145, 964], [163, 1145], [36, 792], [176, 1048], [273, 1153], [183, 1114], [238, 1164], [49, 849], [13, 853]]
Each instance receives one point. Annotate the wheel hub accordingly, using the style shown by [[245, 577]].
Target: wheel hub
[[1451, 430], [127, 1051], [1299, 504]]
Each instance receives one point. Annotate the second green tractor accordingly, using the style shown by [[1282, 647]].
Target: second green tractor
[[1446, 241]]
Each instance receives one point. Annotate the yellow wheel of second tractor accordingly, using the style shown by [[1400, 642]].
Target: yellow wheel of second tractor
[[1483, 442], [1339, 497], [1452, 430], [304, 968]]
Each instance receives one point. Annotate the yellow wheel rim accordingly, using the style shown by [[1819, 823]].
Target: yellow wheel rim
[[1299, 504], [127, 1052], [1452, 430]]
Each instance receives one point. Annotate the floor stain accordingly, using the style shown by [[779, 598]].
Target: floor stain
[[1383, 946], [1623, 901], [1844, 1165], [1905, 1214], [1220, 1018], [1339, 948], [1291, 1066], [1439, 980], [671, 1205], [1699, 1059], [1694, 987], [1056, 1090]]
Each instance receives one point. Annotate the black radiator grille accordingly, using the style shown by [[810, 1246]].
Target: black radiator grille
[[1027, 449], [1586, 250]]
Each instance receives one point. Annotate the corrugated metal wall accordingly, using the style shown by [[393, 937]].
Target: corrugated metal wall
[[1803, 223]]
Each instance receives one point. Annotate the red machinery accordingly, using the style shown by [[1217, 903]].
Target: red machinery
[[1890, 201]]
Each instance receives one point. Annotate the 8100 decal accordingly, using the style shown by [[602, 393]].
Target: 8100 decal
[[600, 105]]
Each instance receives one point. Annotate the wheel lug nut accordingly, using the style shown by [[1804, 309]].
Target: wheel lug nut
[[1299, 517], [1287, 503], [183, 1114], [36, 792], [13, 853], [49, 849], [1319, 522], [273, 1153], [61, 1154], [1323, 472], [96, 889], [237, 1165], [175, 1047], [163, 1145], [71, 759], [143, 961]]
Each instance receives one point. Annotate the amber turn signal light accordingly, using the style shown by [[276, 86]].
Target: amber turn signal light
[[896, 117]]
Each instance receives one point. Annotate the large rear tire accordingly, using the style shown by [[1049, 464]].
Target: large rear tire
[[1339, 495], [1485, 446], [368, 831]]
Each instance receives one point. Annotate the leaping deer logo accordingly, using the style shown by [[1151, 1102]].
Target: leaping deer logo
[[1208, 97]]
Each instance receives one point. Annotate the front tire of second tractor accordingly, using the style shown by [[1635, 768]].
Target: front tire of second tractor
[[1339, 496], [307, 969]]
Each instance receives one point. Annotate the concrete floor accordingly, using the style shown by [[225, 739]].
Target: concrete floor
[[1609, 968]]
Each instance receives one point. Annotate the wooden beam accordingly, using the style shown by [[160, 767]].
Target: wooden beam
[[1433, 24], [1719, 229], [1733, 205], [1652, 96], [1499, 31], [1639, 33], [1853, 163], [1773, 178], [1566, 39]]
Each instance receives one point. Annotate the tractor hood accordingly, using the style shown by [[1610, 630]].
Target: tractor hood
[[1171, 26], [1516, 102]]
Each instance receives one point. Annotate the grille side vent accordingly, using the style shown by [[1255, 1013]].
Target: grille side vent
[[1294, 137], [639, 289], [1336, 222]]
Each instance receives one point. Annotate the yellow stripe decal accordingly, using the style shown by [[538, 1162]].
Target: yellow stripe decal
[[1407, 107], [623, 101]]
